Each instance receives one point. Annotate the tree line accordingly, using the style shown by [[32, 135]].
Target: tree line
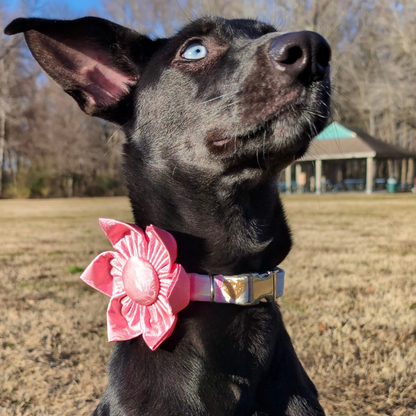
[[48, 147]]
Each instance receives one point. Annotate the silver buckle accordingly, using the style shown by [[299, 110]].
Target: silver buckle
[[268, 286]]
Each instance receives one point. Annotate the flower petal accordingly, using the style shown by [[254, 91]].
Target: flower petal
[[132, 312], [98, 274], [118, 230], [118, 327], [117, 271], [162, 249], [158, 324], [179, 291]]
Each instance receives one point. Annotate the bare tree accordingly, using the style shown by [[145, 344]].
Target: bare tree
[[8, 63], [44, 136]]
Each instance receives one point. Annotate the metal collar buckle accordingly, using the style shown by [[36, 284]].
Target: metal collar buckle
[[256, 287], [268, 286]]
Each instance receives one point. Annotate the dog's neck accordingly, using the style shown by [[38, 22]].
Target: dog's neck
[[223, 224]]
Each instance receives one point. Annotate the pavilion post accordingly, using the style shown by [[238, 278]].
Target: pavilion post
[[403, 175], [298, 170], [318, 176], [288, 179], [370, 175], [410, 171]]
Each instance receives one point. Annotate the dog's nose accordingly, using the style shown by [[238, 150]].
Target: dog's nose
[[302, 55]]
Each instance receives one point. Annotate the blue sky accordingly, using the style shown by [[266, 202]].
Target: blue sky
[[82, 6], [62, 9], [76, 7]]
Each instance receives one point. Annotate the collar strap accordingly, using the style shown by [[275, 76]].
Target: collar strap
[[241, 289]]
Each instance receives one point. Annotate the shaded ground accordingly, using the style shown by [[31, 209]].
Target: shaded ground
[[349, 303]]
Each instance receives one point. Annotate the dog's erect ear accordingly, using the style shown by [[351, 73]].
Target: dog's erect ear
[[95, 61]]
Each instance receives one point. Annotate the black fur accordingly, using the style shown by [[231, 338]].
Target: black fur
[[205, 142]]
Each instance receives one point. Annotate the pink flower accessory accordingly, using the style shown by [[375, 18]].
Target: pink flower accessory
[[146, 286], [148, 289]]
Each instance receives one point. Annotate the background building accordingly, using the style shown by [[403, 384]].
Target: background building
[[342, 158]]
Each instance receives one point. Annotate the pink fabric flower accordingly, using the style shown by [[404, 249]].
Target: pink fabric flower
[[146, 286]]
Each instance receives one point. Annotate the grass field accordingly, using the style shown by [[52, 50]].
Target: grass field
[[349, 303]]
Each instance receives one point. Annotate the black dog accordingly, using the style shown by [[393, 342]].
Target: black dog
[[211, 115]]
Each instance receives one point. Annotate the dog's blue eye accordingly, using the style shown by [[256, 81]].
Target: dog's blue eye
[[195, 51]]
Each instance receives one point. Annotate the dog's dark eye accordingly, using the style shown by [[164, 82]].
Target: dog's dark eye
[[195, 51]]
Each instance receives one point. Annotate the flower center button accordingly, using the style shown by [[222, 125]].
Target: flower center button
[[141, 281]]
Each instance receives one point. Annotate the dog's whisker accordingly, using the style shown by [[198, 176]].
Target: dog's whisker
[[116, 131], [257, 157], [219, 97], [113, 146], [228, 105], [316, 114]]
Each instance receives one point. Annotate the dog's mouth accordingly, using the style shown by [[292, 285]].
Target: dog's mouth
[[216, 137], [288, 130]]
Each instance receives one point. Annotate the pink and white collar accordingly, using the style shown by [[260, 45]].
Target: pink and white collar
[[148, 289]]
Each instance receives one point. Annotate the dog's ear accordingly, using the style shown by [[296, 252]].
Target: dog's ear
[[95, 61]]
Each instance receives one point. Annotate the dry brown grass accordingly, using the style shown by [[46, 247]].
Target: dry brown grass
[[349, 304]]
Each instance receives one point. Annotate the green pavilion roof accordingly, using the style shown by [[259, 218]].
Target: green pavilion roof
[[335, 131], [339, 142]]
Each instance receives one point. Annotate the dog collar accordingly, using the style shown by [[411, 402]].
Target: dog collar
[[241, 289], [148, 289]]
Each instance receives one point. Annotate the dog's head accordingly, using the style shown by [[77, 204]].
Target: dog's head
[[220, 93], [211, 115]]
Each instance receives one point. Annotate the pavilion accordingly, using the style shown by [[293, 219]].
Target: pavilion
[[342, 157]]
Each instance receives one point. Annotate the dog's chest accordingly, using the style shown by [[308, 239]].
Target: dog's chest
[[217, 351]]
